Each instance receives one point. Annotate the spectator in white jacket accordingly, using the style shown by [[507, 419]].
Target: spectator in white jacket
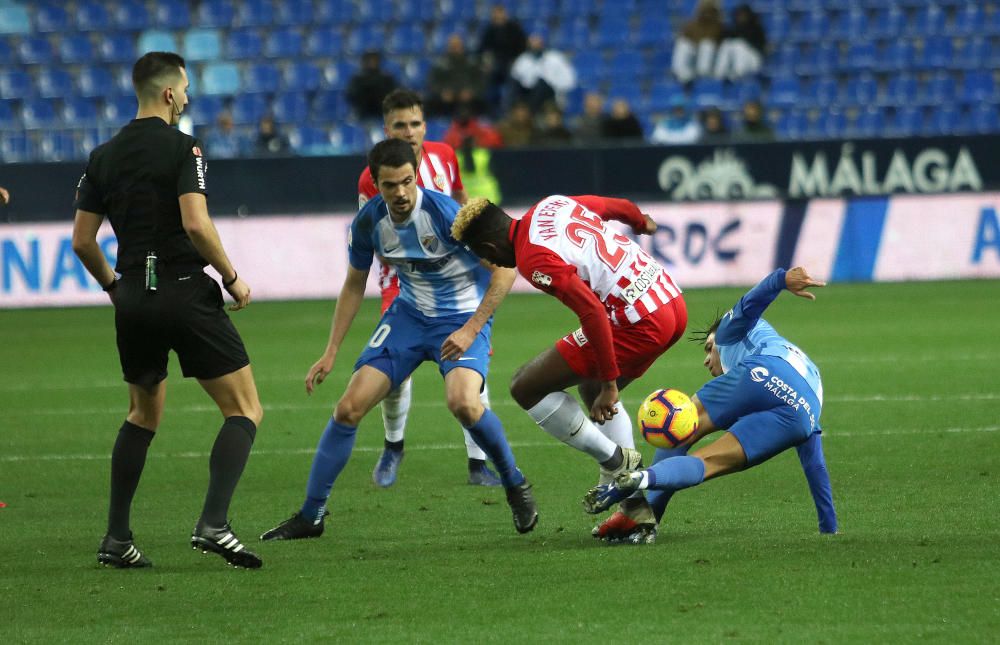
[[541, 75]]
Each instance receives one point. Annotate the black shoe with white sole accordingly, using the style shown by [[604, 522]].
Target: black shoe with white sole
[[121, 554], [224, 542]]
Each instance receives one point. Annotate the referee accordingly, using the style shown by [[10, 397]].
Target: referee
[[149, 180]]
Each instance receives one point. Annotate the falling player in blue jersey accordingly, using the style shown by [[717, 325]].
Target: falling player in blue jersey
[[443, 313], [766, 392]]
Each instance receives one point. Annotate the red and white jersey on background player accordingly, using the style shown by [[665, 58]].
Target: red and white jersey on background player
[[630, 309], [438, 171]]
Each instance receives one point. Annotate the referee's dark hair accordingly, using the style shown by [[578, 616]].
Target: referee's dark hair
[[151, 71], [394, 153], [400, 99]]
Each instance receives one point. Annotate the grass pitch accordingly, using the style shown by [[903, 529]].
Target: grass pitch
[[911, 418]]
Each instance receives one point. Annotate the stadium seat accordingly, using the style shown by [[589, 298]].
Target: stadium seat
[[785, 92], [861, 90], [822, 93], [861, 56], [436, 128], [132, 16], [295, 12], [220, 78], [974, 53], [415, 72], [330, 105], [406, 40], [832, 124], [35, 50], [51, 18], [261, 77], [325, 42], [14, 20], [376, 12], [38, 113], [363, 38], [120, 47], [216, 13], [54, 83], [175, 15], [613, 32], [8, 117], [16, 84], [255, 13], [888, 23], [336, 12], [249, 108], [944, 120], [905, 121], [897, 56], [705, 93], [984, 119], [202, 45], [940, 88], [902, 89], [119, 110], [531, 10], [302, 76], [284, 42], [56, 145], [969, 20], [92, 16], [309, 140], [78, 111], [810, 27], [588, 64], [978, 86], [338, 74], [572, 35], [928, 20], [791, 125], [156, 40], [95, 81], [205, 109], [290, 107], [870, 122], [849, 25], [15, 146], [654, 31], [349, 137], [75, 49], [457, 10], [244, 44]]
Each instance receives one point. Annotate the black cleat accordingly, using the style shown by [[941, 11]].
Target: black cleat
[[522, 504], [121, 555], [296, 527], [223, 541]]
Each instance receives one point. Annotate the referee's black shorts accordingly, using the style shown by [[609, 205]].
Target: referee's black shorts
[[186, 314]]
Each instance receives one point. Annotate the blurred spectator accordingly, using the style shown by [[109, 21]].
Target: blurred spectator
[[477, 175], [755, 127], [541, 75], [270, 142], [694, 50], [500, 43], [518, 127], [466, 129], [678, 126], [622, 123], [713, 126], [589, 126], [553, 131], [743, 45], [455, 80], [223, 142], [369, 86], [4, 196]]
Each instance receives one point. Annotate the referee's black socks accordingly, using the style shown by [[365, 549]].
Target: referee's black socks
[[229, 456], [127, 461]]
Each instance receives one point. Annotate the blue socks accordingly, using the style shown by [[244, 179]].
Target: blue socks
[[676, 473], [488, 433], [814, 466], [658, 499], [331, 456]]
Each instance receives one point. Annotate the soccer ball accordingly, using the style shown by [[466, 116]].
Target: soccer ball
[[667, 418]]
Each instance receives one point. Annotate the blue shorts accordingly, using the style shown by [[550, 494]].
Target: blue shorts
[[765, 404], [404, 338]]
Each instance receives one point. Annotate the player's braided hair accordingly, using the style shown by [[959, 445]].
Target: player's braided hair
[[480, 219]]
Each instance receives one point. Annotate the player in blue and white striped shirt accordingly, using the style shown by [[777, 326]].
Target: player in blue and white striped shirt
[[766, 392], [443, 314]]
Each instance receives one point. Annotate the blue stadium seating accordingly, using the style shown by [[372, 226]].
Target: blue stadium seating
[[120, 48], [16, 84], [309, 140], [326, 42], [249, 108], [216, 13], [15, 146], [220, 78], [75, 49], [202, 45], [8, 119], [156, 40], [290, 107], [244, 44], [406, 40], [95, 81], [14, 20], [869, 123], [302, 77], [92, 16], [35, 50], [51, 18], [284, 42], [57, 145], [173, 15], [205, 110], [79, 111], [985, 119], [261, 77], [255, 13], [132, 16], [38, 113], [54, 83], [294, 12]]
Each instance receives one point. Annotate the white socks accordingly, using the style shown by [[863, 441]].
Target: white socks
[[619, 429], [561, 416], [395, 409]]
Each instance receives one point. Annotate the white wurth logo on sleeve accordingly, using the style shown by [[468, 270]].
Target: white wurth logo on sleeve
[[199, 166]]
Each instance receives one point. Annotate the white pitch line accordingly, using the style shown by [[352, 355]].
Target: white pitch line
[[328, 404], [517, 445]]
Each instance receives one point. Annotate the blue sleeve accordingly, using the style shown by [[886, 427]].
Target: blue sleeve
[[444, 212], [739, 320], [360, 245], [814, 466]]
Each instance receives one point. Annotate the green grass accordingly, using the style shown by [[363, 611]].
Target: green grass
[[912, 440]]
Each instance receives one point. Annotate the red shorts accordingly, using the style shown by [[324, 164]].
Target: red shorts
[[636, 346]]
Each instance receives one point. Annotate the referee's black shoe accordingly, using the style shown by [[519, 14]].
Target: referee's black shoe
[[121, 554], [223, 541], [296, 527]]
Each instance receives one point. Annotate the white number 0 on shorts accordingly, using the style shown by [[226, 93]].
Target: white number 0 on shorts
[[380, 335]]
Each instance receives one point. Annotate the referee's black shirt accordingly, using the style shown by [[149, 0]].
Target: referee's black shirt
[[135, 179]]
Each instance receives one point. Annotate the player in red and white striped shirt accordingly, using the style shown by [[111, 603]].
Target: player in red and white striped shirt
[[630, 311], [403, 113]]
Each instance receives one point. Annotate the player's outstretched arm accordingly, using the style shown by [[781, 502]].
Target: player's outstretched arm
[[797, 280], [348, 304], [501, 280]]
